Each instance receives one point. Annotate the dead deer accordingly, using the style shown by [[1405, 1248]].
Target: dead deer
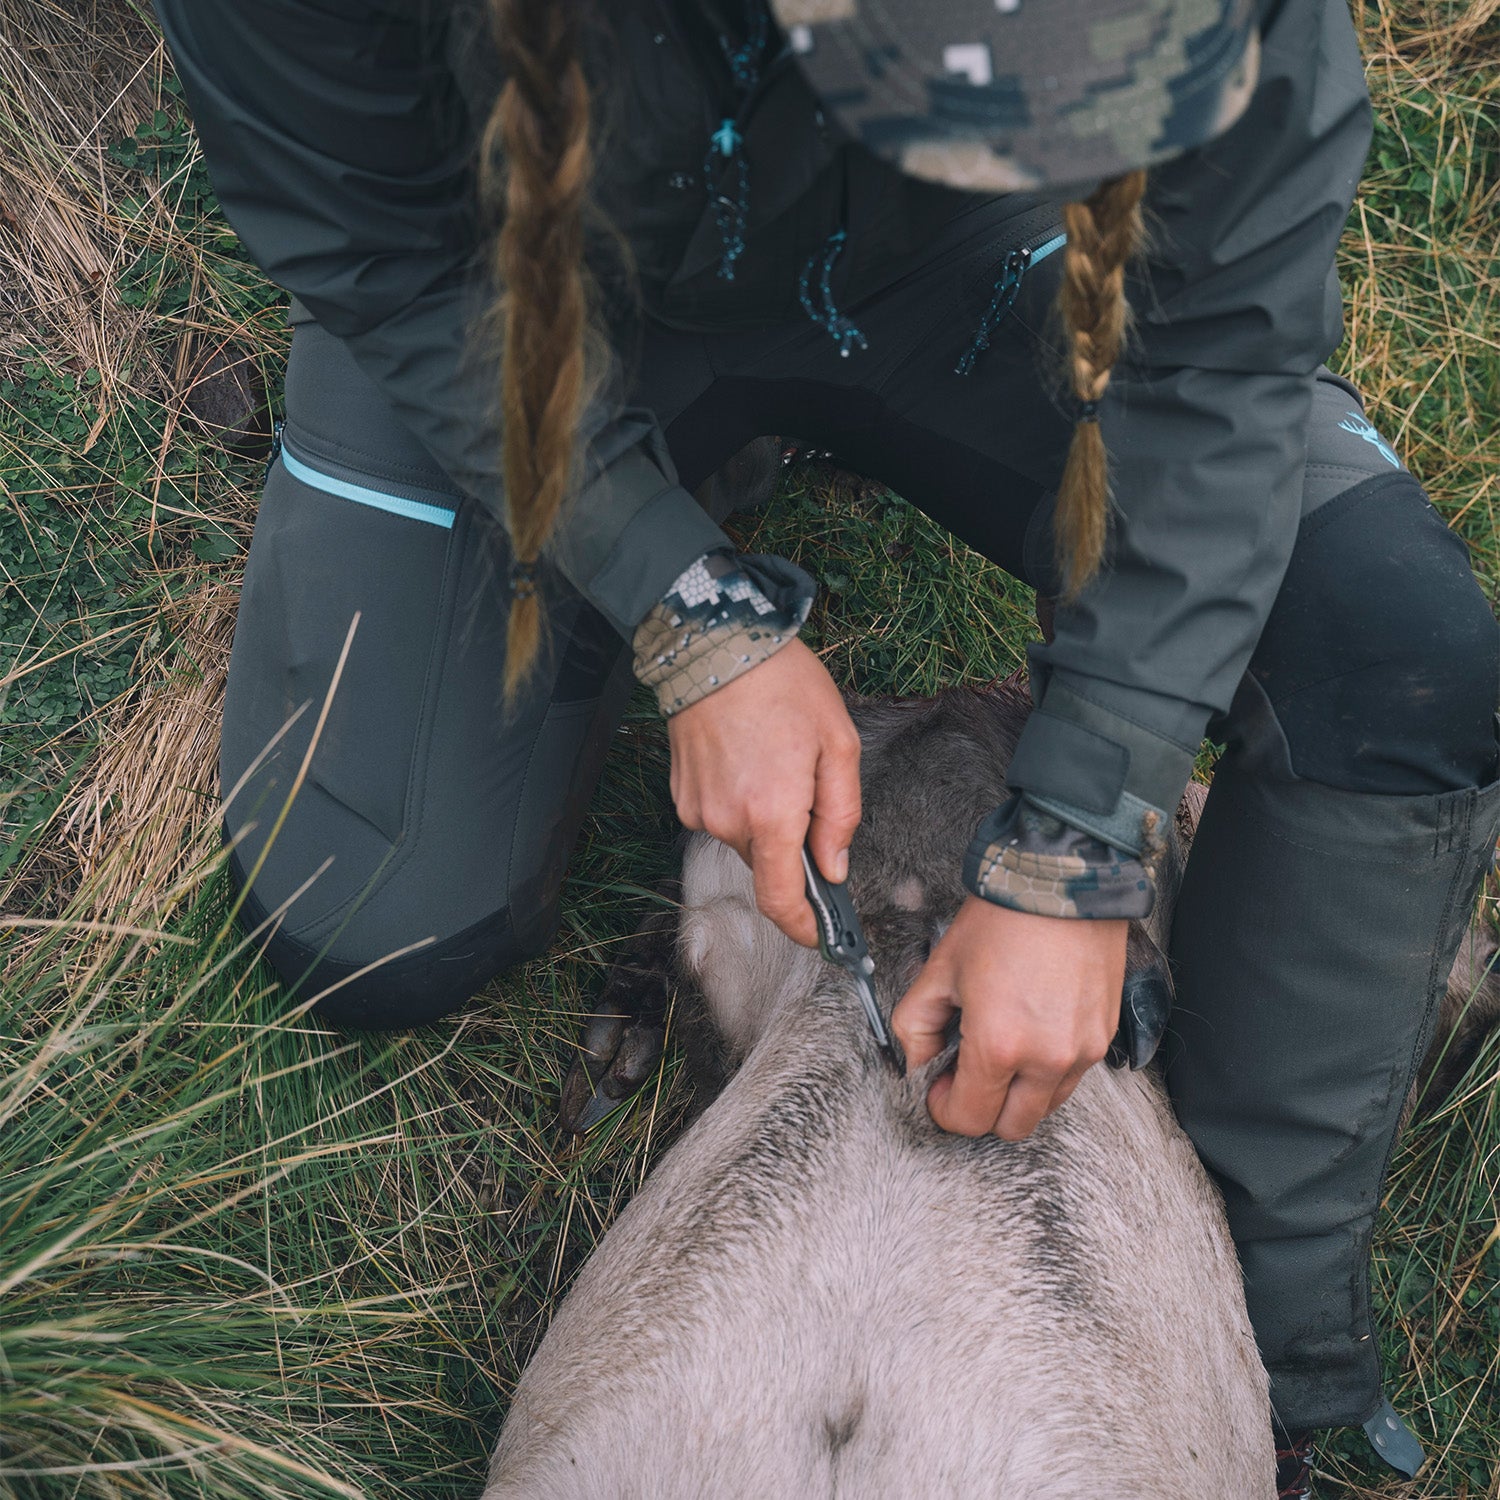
[[818, 1292]]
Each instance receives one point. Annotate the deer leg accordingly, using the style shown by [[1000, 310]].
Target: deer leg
[[622, 1039]]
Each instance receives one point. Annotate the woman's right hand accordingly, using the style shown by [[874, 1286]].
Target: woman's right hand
[[766, 762], [1039, 1000]]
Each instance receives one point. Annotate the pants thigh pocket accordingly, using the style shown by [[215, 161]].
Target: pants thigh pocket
[[328, 568]]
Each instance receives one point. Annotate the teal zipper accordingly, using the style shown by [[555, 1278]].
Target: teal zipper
[[362, 494]]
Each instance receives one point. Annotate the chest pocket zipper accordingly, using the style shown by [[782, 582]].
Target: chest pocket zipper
[[1012, 270]]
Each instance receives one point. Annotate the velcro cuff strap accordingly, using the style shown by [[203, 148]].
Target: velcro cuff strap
[[1098, 770], [1059, 759], [1134, 826]]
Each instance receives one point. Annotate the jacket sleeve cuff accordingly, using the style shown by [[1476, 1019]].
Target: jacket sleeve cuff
[[632, 531], [722, 616], [1100, 771], [1028, 860]]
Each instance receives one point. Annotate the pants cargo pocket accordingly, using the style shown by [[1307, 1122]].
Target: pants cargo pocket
[[337, 558]]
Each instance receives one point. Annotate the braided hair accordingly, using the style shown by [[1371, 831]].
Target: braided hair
[[1104, 231], [536, 163], [536, 166]]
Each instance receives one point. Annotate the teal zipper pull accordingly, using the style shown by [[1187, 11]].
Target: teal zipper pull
[[1007, 289], [727, 138]]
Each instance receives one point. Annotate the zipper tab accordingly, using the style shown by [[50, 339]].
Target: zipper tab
[[1012, 270], [276, 430], [727, 138]]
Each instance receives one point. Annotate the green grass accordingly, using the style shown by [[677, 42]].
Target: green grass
[[242, 1256]]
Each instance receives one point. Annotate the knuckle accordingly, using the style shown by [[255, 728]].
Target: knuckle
[[999, 1064], [905, 1033], [1055, 1062], [770, 826], [726, 830], [999, 1059], [846, 746], [848, 814], [1095, 1047], [714, 810]]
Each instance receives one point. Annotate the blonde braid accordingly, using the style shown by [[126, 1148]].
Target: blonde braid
[[536, 148], [1103, 232]]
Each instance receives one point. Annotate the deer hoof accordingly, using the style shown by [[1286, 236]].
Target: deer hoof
[[619, 1053]]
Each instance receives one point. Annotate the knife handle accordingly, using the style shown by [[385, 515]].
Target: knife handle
[[839, 935]]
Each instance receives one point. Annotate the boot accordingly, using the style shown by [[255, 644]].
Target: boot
[[1294, 1468]]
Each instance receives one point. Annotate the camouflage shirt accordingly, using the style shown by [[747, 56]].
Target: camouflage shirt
[[1030, 861]]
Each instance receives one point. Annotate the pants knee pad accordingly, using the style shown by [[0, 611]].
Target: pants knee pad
[[365, 991], [1381, 658]]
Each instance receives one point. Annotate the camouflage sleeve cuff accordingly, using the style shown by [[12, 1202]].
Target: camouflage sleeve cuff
[[1028, 860], [723, 615]]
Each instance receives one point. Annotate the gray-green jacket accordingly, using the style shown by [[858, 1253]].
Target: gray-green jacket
[[340, 138]]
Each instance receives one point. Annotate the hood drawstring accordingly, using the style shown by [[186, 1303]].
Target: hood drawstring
[[732, 214], [726, 144], [745, 60], [841, 329]]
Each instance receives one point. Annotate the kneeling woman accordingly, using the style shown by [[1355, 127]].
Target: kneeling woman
[[853, 224]]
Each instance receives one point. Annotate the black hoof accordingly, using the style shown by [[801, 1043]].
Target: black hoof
[[1145, 1009], [619, 1053]]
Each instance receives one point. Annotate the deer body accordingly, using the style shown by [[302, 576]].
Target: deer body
[[819, 1293]]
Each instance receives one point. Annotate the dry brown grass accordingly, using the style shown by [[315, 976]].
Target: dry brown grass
[[82, 74], [76, 77], [1421, 259], [152, 785]]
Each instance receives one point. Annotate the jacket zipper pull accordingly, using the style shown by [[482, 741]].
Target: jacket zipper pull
[[276, 429], [727, 138], [1012, 269]]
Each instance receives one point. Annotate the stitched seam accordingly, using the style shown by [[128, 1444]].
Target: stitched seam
[[436, 660], [1292, 843], [1325, 514], [1424, 1031], [1325, 376], [1308, 687], [405, 846], [1343, 469], [577, 705]]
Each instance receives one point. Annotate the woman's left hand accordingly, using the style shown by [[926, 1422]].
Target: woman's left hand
[[1040, 998]]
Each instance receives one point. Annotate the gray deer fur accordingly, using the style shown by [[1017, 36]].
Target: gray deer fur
[[818, 1293]]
